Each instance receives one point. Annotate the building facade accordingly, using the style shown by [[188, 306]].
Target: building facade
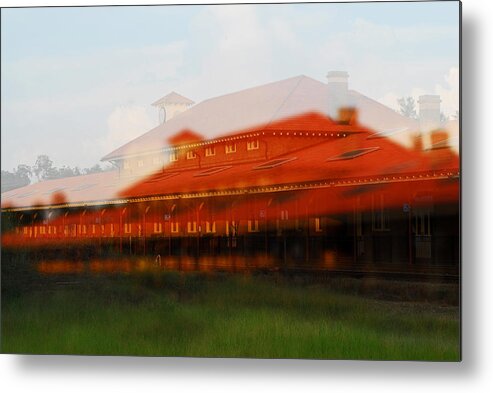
[[302, 192]]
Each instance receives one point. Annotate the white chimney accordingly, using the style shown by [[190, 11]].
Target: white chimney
[[337, 83], [429, 112]]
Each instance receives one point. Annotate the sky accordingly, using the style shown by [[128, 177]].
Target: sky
[[77, 82]]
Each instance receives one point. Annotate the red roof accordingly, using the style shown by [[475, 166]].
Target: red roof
[[328, 163], [261, 105], [185, 136], [339, 160]]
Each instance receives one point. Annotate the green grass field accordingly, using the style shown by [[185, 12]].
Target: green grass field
[[172, 314]]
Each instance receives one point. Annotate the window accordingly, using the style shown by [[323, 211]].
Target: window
[[191, 155], [140, 163], [210, 227], [93, 229], [210, 151], [173, 156], [175, 227], [160, 177], [252, 225], [387, 133], [126, 165], [25, 230], [423, 222], [359, 223], [84, 229], [127, 228], [348, 155], [252, 145], [231, 228], [318, 225], [380, 216], [158, 227], [156, 161], [284, 215], [42, 230], [231, 148], [192, 226], [112, 230], [212, 171], [274, 163]]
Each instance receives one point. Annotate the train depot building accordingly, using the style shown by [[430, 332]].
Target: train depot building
[[300, 175]]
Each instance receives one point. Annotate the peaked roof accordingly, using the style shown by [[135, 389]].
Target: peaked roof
[[173, 98], [351, 163], [260, 105]]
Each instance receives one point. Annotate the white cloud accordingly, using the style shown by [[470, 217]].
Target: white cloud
[[64, 101], [226, 48], [236, 51], [64, 82], [450, 92], [384, 59], [124, 124]]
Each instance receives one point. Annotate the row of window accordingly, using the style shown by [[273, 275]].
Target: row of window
[[210, 227], [156, 161], [211, 150], [422, 226], [380, 222]]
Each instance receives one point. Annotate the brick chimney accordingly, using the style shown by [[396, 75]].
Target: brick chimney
[[337, 83], [439, 139], [347, 115]]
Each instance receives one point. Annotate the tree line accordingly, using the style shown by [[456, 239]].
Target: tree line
[[43, 169], [407, 107]]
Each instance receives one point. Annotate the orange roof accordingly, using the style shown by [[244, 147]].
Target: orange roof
[[261, 105], [355, 160], [185, 136], [352, 160], [98, 186]]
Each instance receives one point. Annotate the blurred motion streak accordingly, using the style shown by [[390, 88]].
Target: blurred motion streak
[[303, 190]]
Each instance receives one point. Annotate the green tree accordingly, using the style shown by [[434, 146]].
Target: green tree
[[43, 168], [94, 169], [19, 177], [407, 107]]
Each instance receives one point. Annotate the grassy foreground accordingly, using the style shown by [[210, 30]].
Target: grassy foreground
[[172, 314]]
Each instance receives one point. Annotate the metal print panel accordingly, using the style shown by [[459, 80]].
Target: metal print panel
[[268, 181]]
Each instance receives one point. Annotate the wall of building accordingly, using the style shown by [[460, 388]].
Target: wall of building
[[375, 238], [231, 152]]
